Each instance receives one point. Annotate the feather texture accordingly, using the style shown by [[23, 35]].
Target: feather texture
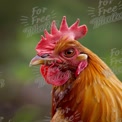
[[96, 94], [84, 87]]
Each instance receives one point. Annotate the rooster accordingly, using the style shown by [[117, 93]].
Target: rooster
[[84, 87]]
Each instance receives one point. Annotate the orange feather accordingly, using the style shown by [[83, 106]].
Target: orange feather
[[96, 94]]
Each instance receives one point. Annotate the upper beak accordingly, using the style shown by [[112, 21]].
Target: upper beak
[[37, 60]]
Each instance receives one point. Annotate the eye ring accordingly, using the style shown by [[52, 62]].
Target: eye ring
[[69, 52]]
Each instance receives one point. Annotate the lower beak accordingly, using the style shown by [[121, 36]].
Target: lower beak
[[37, 60]]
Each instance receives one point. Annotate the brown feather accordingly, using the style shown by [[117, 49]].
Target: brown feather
[[96, 94]]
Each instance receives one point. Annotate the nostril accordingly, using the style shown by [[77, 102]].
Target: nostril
[[44, 55]]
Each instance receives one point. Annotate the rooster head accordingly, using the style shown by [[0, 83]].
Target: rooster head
[[60, 54]]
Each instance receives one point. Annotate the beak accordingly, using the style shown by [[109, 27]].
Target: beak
[[37, 60]]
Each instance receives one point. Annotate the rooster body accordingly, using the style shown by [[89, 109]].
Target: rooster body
[[84, 87]]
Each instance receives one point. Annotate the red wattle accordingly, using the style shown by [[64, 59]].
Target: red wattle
[[54, 76]]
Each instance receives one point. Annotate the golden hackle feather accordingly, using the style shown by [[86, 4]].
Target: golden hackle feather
[[96, 93]]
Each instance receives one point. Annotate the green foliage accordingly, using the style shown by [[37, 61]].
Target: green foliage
[[26, 114]]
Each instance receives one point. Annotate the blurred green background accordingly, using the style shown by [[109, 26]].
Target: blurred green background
[[24, 96]]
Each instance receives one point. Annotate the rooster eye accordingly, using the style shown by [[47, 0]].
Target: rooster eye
[[69, 52]]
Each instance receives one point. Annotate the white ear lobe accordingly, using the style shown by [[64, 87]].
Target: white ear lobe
[[82, 57]]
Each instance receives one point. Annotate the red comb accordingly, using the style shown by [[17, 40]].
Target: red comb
[[47, 42]]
